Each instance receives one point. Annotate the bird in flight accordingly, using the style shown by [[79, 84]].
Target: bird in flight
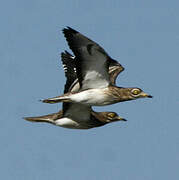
[[92, 66], [79, 116]]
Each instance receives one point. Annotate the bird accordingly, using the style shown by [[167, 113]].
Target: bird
[[97, 119], [77, 116], [92, 65]]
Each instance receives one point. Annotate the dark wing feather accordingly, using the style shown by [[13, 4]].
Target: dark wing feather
[[69, 69], [77, 112], [70, 73], [92, 62]]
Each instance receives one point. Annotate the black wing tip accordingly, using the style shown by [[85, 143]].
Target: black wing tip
[[66, 56], [69, 30], [113, 62], [65, 53]]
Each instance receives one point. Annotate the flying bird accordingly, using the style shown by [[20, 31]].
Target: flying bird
[[78, 116], [92, 66]]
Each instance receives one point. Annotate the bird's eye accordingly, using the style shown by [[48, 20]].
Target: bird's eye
[[136, 91], [111, 115]]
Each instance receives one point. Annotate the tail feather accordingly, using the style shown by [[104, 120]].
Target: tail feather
[[50, 118], [38, 119], [56, 99]]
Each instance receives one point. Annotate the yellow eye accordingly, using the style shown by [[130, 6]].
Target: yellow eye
[[136, 91], [111, 115]]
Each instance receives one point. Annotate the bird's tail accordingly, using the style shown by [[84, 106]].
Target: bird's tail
[[50, 118], [56, 99]]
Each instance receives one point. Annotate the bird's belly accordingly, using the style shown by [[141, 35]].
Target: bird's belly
[[66, 122], [69, 123], [92, 97]]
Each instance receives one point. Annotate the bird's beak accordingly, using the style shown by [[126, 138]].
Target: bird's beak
[[121, 119], [146, 95], [149, 96]]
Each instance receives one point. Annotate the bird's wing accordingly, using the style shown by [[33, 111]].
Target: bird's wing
[[77, 112], [72, 110], [69, 69], [92, 62], [72, 85], [115, 69]]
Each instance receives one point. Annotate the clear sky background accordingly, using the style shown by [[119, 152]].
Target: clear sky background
[[143, 36]]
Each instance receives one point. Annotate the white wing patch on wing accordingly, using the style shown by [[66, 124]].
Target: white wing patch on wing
[[94, 79], [94, 69]]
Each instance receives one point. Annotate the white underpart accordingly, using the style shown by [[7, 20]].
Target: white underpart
[[67, 123], [92, 97]]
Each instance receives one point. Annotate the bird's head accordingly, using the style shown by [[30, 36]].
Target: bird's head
[[132, 93], [112, 117]]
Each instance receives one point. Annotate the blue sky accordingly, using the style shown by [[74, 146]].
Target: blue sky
[[143, 36]]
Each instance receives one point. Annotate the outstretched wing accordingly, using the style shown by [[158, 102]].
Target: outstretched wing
[[92, 62], [72, 83], [72, 110]]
